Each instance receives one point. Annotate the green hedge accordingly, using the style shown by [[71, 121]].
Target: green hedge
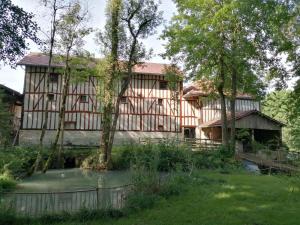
[[171, 157], [168, 156]]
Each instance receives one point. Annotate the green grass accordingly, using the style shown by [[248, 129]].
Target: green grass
[[215, 198]]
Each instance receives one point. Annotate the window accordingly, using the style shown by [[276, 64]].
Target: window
[[160, 128], [70, 125], [163, 85], [51, 97], [124, 100], [160, 101], [53, 78], [83, 98]]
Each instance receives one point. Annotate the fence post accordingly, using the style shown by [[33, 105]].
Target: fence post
[[97, 197]]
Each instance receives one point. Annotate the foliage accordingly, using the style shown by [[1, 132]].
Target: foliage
[[222, 160], [7, 182], [150, 184], [138, 201], [16, 161], [5, 120], [8, 216], [232, 43], [214, 198], [283, 106], [71, 30], [128, 22], [168, 156], [172, 157], [17, 26]]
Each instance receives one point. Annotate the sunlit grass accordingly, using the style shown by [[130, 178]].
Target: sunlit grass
[[214, 198]]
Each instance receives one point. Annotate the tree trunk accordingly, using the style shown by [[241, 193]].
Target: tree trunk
[[105, 149], [45, 122], [117, 108], [232, 107], [223, 104], [62, 116], [61, 120]]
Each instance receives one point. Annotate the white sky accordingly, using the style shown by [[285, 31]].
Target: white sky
[[14, 78]]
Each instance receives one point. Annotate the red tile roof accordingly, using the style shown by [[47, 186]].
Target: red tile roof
[[40, 59], [206, 87], [239, 115]]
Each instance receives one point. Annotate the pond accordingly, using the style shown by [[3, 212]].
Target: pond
[[72, 180]]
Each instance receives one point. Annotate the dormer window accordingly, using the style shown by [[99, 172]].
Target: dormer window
[[163, 85], [83, 98], [53, 78]]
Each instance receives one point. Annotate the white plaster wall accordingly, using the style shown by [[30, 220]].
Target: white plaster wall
[[89, 138]]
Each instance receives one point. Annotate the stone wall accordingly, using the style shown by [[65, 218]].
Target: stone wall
[[89, 138]]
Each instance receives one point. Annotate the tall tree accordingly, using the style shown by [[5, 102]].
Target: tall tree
[[71, 30], [257, 39], [16, 27], [284, 106], [196, 38], [128, 22], [229, 41], [54, 7]]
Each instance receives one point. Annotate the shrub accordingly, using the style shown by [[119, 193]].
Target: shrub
[[169, 156], [220, 158], [137, 201], [175, 184], [7, 183], [16, 161], [9, 217]]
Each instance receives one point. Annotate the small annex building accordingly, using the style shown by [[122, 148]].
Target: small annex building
[[14, 100]]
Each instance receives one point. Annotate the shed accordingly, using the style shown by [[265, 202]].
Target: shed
[[261, 127]]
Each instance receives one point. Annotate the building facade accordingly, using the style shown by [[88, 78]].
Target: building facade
[[148, 109]]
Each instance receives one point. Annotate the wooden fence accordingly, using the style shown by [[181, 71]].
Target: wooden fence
[[38, 204]]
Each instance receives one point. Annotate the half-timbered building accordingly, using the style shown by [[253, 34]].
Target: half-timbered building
[[148, 109], [201, 111]]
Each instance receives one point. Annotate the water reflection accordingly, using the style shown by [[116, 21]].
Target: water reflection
[[73, 179]]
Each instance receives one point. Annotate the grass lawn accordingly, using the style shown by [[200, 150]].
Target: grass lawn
[[215, 198]]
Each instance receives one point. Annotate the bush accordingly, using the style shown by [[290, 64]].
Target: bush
[[16, 161], [7, 183], [169, 156], [137, 201], [215, 159], [174, 185], [9, 217]]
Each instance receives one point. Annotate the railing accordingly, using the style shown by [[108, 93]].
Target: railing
[[38, 204], [195, 144]]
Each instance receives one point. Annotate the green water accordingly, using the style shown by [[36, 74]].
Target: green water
[[73, 179]]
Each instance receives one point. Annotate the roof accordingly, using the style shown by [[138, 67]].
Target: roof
[[205, 88], [40, 59], [238, 116], [10, 91]]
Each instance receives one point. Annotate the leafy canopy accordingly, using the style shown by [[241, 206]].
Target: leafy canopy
[[16, 27], [247, 36]]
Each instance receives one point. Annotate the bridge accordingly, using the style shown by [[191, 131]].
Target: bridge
[[270, 164]]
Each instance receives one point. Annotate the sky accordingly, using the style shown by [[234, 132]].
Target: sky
[[14, 78]]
